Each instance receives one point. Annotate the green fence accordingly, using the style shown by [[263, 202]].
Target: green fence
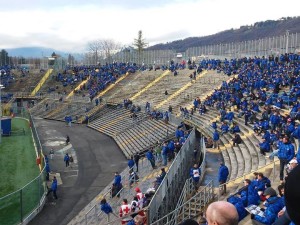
[[23, 204], [18, 206]]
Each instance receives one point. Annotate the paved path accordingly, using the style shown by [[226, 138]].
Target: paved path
[[96, 158]]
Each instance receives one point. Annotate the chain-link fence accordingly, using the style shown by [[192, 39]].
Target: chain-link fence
[[21, 206], [288, 43]]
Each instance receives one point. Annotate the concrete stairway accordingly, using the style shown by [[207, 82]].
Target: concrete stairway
[[143, 135]]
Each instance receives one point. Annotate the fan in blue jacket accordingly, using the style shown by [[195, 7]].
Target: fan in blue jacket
[[238, 204], [285, 154], [214, 125], [262, 182], [130, 162], [273, 206], [249, 195], [274, 119], [264, 147], [223, 175]]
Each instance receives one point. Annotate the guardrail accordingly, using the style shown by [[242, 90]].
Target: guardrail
[[199, 200], [173, 181]]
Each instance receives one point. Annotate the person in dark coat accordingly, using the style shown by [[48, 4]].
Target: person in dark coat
[[136, 159]]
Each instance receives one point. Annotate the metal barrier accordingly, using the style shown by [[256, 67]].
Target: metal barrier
[[52, 95], [239, 180], [199, 201], [173, 182], [22, 205]]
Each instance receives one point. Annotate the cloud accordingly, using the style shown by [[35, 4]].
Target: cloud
[[69, 25]]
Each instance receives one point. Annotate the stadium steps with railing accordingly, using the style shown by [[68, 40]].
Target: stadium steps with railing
[[141, 136]]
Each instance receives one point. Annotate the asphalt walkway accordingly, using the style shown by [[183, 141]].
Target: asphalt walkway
[[96, 158]]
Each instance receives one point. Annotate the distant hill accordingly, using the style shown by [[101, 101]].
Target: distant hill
[[269, 28], [34, 52]]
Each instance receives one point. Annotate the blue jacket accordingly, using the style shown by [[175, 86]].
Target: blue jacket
[[223, 173], [179, 133], [296, 133], [267, 136], [216, 136], [54, 185], [164, 150], [274, 119], [286, 151], [131, 222], [265, 146], [225, 128], [149, 155], [238, 204], [236, 129], [106, 208], [298, 157], [230, 115], [261, 184], [130, 163], [250, 196], [117, 180], [274, 205], [171, 146], [47, 168], [214, 125], [66, 158]]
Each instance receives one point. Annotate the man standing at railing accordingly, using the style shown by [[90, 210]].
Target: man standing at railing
[[195, 173], [222, 177]]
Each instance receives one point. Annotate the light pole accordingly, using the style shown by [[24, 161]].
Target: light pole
[[1, 87]]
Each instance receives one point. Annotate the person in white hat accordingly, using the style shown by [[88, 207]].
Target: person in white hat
[[292, 164]]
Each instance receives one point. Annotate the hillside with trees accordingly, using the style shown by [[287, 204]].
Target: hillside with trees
[[269, 28]]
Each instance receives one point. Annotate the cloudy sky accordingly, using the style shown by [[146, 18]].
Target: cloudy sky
[[69, 25]]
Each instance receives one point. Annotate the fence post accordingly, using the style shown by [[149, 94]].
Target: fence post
[[21, 206]]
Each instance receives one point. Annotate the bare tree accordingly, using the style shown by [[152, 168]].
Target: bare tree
[[109, 47], [103, 47], [95, 47]]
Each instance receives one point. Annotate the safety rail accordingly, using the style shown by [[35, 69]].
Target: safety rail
[[55, 96], [189, 187], [94, 213], [173, 181], [201, 199], [239, 180]]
